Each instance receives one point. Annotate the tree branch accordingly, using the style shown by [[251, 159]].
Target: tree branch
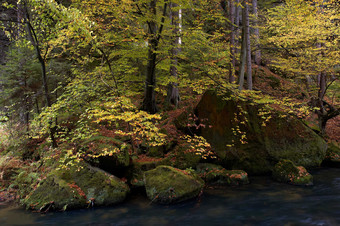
[[162, 21]]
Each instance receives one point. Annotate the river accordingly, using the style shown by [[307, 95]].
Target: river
[[263, 202]]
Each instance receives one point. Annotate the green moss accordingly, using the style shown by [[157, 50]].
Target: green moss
[[286, 171], [55, 190], [167, 185], [72, 188]]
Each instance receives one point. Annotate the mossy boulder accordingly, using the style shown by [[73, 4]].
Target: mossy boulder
[[167, 185], [248, 136], [287, 172], [332, 158], [75, 187], [217, 175]]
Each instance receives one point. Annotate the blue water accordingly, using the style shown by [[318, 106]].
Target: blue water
[[263, 202]]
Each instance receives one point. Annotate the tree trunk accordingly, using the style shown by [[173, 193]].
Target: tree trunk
[[308, 84], [321, 94], [256, 34], [37, 106], [149, 102], [243, 56], [247, 36], [232, 42], [34, 39], [173, 92], [237, 25]]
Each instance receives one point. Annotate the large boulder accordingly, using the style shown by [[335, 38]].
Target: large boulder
[[77, 187], [250, 137], [167, 185]]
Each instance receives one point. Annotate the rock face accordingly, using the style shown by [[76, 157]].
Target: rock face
[[333, 156], [71, 189], [166, 185], [137, 171], [247, 136], [217, 175], [285, 171]]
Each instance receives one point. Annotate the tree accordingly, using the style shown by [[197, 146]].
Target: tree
[[257, 57], [306, 37], [232, 41], [155, 33], [245, 59], [37, 40], [175, 18]]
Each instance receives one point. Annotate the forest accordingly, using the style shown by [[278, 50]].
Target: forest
[[101, 98]]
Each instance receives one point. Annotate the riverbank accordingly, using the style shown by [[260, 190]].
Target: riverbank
[[262, 202]]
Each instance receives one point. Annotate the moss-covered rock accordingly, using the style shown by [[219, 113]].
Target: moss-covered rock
[[286, 171], [75, 187], [250, 137], [332, 158], [167, 185], [216, 174]]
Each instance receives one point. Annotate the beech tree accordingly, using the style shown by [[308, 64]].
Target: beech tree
[[257, 57], [305, 35], [232, 20], [155, 33], [245, 58], [175, 18]]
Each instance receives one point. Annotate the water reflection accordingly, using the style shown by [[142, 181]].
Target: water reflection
[[263, 202]]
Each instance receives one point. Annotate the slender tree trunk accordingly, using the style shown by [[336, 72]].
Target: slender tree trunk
[[322, 86], [243, 56], [149, 102], [256, 34], [247, 36], [237, 26], [37, 106], [173, 92], [308, 84], [322, 113], [232, 42], [34, 39]]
